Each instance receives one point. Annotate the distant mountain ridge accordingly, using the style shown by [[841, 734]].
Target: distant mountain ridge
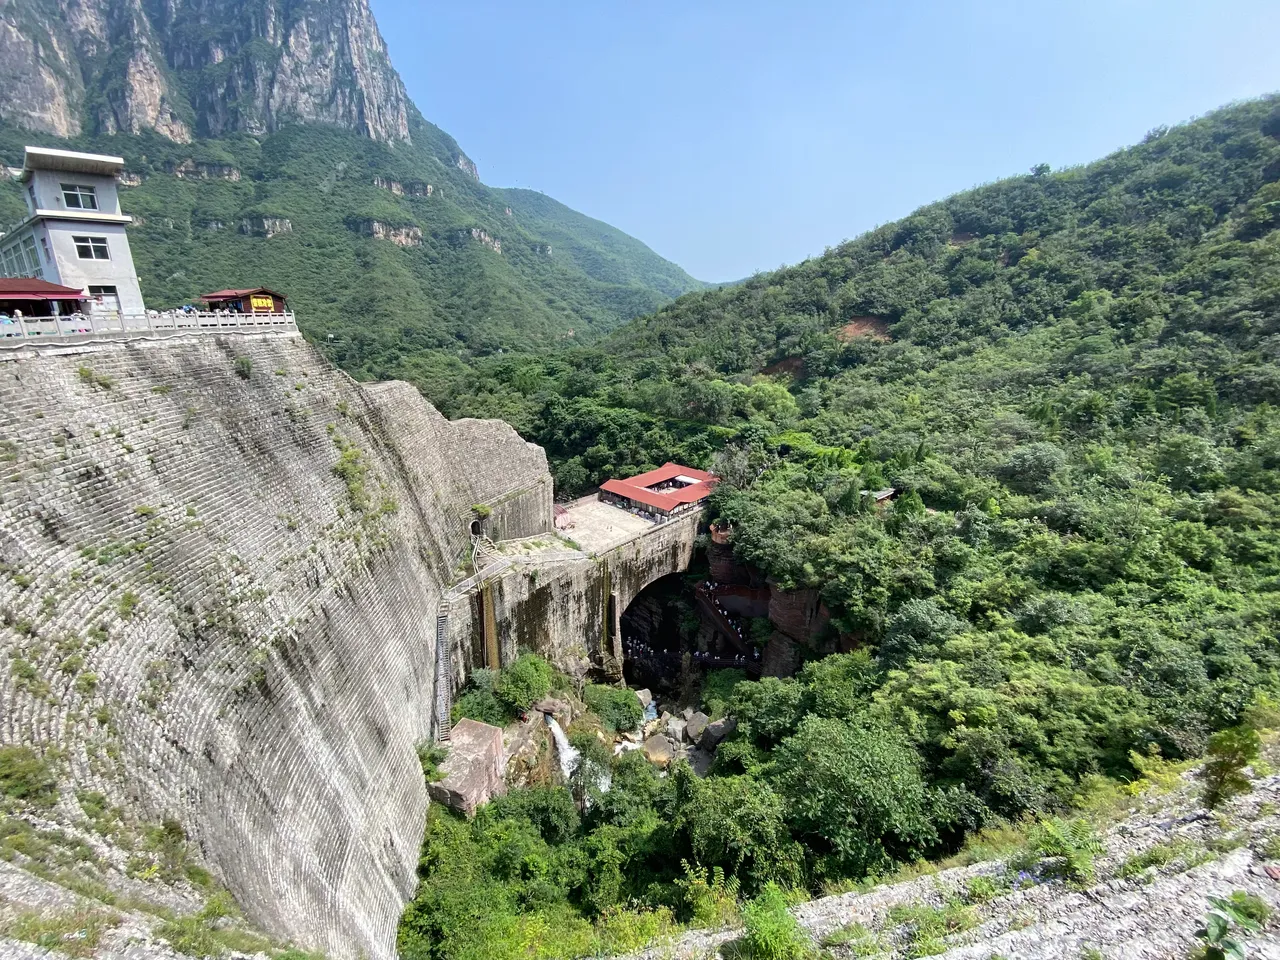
[[272, 142]]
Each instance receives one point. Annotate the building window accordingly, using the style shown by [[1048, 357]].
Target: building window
[[79, 197], [19, 260], [91, 248], [33, 258]]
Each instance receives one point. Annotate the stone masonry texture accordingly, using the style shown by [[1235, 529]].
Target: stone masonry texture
[[221, 563]]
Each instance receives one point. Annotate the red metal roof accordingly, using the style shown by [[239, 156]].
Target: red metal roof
[[237, 294], [669, 471], [29, 288], [635, 488]]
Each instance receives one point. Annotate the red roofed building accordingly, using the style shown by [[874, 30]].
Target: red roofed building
[[38, 298], [255, 300], [671, 489]]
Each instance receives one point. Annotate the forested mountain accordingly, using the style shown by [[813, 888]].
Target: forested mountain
[[271, 142], [1072, 376]]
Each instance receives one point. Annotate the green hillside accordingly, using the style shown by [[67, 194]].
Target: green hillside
[[558, 276], [1073, 377]]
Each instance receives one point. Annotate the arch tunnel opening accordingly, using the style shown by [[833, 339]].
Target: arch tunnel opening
[[677, 627]]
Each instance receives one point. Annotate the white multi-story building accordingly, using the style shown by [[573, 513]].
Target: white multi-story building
[[74, 232]]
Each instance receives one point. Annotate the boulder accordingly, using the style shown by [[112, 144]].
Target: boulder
[[646, 698], [716, 732], [676, 730], [695, 725], [687, 712], [556, 708], [659, 751]]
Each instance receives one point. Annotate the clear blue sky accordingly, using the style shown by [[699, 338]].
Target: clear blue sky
[[733, 135]]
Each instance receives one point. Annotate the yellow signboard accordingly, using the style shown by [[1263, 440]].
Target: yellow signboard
[[263, 304]]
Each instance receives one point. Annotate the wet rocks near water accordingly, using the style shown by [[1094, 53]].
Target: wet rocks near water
[[555, 708], [646, 698]]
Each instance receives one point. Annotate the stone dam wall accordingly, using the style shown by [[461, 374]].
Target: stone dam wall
[[220, 566]]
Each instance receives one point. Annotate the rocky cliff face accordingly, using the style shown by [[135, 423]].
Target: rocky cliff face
[[189, 68]]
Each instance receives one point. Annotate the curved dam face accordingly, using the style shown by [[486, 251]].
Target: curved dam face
[[222, 563]]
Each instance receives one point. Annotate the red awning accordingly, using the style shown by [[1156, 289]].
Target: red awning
[[16, 288], [41, 297]]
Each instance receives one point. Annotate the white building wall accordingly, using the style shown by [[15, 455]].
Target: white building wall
[[48, 190], [117, 272]]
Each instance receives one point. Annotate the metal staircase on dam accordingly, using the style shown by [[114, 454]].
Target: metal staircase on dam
[[444, 675]]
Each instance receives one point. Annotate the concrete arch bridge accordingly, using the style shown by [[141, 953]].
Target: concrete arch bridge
[[561, 596]]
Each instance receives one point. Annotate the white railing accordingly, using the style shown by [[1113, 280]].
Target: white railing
[[79, 328]]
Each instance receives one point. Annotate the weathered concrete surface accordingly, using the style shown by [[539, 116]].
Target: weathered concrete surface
[[567, 604], [474, 769], [219, 598]]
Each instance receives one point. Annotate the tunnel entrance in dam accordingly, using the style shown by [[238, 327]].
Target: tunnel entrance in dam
[[675, 627]]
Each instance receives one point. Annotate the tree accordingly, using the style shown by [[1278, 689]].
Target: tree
[[736, 824], [916, 630], [854, 792], [1230, 752]]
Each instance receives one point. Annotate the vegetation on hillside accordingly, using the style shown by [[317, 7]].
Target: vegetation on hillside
[[560, 276], [1073, 379]]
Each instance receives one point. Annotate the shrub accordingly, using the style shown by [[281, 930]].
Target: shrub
[[481, 510], [619, 930], [984, 887], [928, 925], [617, 707], [709, 900], [1161, 855], [1240, 910], [430, 757], [524, 681], [1070, 844], [772, 933], [1230, 751], [26, 776], [479, 701]]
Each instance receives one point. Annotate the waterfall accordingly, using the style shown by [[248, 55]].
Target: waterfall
[[564, 752], [568, 757]]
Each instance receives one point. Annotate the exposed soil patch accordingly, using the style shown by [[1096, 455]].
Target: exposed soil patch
[[874, 328]]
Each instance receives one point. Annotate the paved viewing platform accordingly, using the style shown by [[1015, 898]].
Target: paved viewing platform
[[597, 526]]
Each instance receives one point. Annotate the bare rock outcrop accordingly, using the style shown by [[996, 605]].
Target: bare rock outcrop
[[235, 65]]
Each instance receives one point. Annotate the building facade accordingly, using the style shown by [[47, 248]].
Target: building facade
[[74, 231]]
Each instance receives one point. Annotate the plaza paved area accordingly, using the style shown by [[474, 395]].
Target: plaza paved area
[[597, 526]]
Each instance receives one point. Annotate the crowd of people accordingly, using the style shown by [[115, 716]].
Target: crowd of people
[[634, 649]]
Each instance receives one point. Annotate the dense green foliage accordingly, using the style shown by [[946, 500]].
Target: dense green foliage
[[392, 311], [1072, 379], [618, 709]]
